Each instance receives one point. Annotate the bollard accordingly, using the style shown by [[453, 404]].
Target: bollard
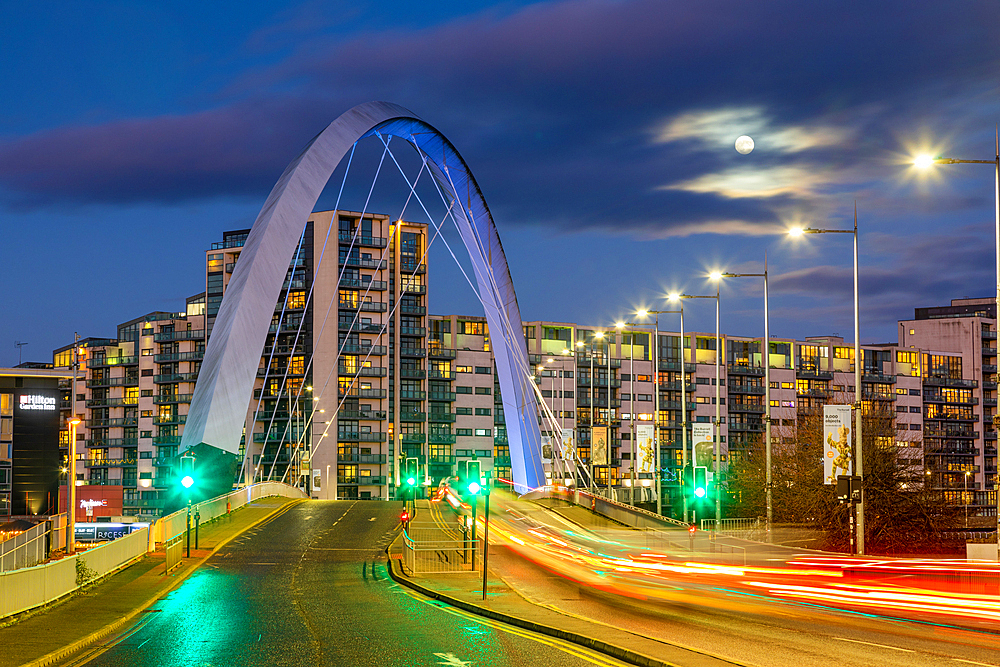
[[197, 522]]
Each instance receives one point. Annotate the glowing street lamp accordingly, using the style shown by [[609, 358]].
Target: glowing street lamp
[[859, 456], [926, 161]]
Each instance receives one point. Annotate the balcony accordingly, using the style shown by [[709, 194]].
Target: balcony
[[743, 369], [949, 433], [357, 262], [812, 373], [292, 436], [441, 396], [584, 402], [371, 285], [814, 392], [441, 438], [109, 463], [105, 362], [441, 417], [666, 365], [366, 241], [746, 407], [745, 389], [601, 382], [112, 442], [412, 416], [990, 402], [355, 457], [989, 335], [412, 288], [412, 331], [412, 267], [169, 419], [441, 375], [440, 353], [359, 327], [110, 402], [360, 436], [280, 372], [419, 438], [372, 415], [950, 382], [361, 393], [413, 352], [369, 350], [362, 371], [989, 368], [413, 395], [934, 397], [175, 377], [413, 310], [951, 450], [364, 306], [362, 480], [113, 382], [178, 356], [112, 423], [163, 399], [166, 440], [442, 459], [676, 386], [877, 378], [676, 405], [989, 351], [167, 336], [583, 360], [412, 373], [746, 428]]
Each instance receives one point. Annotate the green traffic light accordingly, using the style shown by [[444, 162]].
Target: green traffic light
[[187, 481], [411, 481], [699, 492], [474, 488]]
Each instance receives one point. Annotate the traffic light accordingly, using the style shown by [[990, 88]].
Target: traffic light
[[404, 518], [410, 473], [474, 477], [187, 471], [700, 488]]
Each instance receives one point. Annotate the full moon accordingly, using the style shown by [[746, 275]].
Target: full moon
[[744, 145]]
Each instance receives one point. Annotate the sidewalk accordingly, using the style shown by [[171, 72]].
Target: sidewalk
[[465, 591], [83, 618]]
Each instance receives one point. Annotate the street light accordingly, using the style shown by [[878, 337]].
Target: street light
[[716, 434], [71, 487], [656, 400], [859, 454], [766, 358], [924, 161]]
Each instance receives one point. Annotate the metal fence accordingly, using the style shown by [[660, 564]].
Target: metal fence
[[745, 529], [429, 549], [174, 549], [29, 548]]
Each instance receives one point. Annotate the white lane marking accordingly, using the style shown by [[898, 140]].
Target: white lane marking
[[306, 518], [856, 641], [450, 660], [973, 662], [261, 563], [372, 519]]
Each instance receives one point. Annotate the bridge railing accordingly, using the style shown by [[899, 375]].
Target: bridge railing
[[628, 515]]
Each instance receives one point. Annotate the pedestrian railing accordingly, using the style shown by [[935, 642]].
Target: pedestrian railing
[[745, 529], [24, 550], [442, 554]]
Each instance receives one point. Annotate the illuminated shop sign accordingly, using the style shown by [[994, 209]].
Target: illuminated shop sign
[[90, 504], [35, 402]]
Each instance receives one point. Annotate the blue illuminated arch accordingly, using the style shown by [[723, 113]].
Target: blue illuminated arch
[[221, 396]]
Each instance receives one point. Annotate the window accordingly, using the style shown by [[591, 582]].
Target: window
[[788, 385], [146, 393], [484, 432], [145, 434], [146, 413], [900, 408], [915, 408], [463, 390], [643, 378], [147, 372], [644, 397], [297, 299], [463, 411], [569, 414], [484, 412], [146, 353], [484, 391], [472, 328], [463, 431], [463, 369], [529, 332], [914, 392], [484, 370], [775, 404], [702, 399], [546, 393], [914, 427], [901, 391], [705, 381], [624, 397], [146, 455], [568, 394]]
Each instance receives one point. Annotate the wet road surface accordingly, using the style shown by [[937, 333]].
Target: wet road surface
[[309, 587]]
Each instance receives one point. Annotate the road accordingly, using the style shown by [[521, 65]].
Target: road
[[719, 614], [309, 587]]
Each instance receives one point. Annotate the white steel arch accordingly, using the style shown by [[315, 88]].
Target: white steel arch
[[225, 382]]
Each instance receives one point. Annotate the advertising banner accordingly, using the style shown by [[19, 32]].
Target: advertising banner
[[702, 444], [836, 442], [646, 461], [568, 444], [546, 449], [599, 445]]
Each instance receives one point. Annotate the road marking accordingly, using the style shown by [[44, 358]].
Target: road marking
[[973, 662], [450, 660], [261, 563], [372, 519], [856, 641], [306, 518]]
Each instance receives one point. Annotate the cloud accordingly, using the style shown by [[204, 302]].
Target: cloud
[[756, 182]]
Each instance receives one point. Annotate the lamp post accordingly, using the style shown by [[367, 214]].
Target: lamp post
[[766, 358], [656, 400], [716, 432], [926, 161], [71, 487], [859, 453]]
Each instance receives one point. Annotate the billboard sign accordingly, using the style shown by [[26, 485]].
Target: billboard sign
[[836, 442], [599, 446], [568, 444], [546, 449], [702, 443], [645, 448]]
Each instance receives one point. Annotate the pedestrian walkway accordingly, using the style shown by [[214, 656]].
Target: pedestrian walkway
[[504, 603], [86, 617]]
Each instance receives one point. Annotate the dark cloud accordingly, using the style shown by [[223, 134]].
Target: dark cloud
[[557, 106]]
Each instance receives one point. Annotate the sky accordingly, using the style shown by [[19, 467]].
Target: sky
[[132, 134]]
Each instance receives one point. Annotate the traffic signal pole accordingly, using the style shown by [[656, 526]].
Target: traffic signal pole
[[486, 539]]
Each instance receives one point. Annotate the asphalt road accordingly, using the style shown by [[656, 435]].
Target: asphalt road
[[749, 629], [310, 588]]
